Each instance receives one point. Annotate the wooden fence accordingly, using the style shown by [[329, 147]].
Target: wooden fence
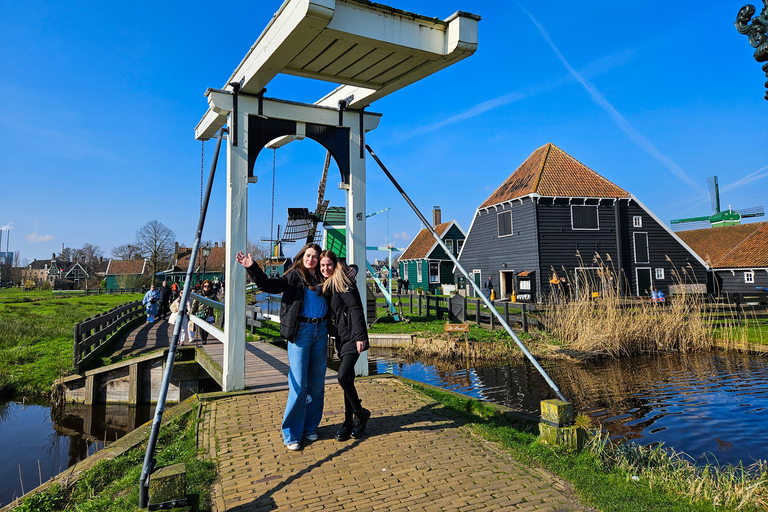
[[93, 333]]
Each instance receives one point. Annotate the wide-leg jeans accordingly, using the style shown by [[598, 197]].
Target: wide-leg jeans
[[307, 358]]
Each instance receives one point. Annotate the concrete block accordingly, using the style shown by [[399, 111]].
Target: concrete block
[[571, 437], [168, 483], [557, 413]]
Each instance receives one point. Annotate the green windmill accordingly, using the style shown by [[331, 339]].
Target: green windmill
[[727, 217]]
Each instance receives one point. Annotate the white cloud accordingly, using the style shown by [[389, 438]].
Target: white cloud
[[7, 227], [401, 236], [35, 238]]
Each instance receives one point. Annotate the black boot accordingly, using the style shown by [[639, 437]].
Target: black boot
[[359, 423], [344, 431]]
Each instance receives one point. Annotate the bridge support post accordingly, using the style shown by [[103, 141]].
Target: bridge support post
[[236, 226]]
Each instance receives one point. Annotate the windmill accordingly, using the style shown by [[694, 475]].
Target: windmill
[[719, 218], [302, 224]]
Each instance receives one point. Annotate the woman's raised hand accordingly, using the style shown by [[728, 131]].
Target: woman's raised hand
[[244, 260]]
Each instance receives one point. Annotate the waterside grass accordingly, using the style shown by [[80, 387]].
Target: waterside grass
[[614, 477], [36, 336], [111, 485]]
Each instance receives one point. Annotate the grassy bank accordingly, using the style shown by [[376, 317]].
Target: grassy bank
[[613, 477], [112, 485], [36, 336]]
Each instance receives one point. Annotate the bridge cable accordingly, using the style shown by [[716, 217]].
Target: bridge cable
[[479, 292], [149, 460]]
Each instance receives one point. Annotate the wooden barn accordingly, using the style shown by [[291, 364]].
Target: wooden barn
[[555, 218], [424, 263], [737, 256]]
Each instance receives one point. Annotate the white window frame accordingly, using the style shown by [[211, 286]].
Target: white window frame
[[459, 245], [524, 284], [498, 224], [433, 278], [637, 278], [597, 213], [659, 274], [637, 221], [749, 277], [449, 244], [647, 247], [418, 270]]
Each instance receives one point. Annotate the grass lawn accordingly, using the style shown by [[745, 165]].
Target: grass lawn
[[36, 336]]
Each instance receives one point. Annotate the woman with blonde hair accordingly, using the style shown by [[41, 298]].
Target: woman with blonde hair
[[348, 322], [304, 324]]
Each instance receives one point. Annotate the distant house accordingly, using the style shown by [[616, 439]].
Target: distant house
[[424, 263], [211, 267], [737, 256], [554, 217], [126, 274]]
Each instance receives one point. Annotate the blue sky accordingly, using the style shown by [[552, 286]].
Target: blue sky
[[100, 101]]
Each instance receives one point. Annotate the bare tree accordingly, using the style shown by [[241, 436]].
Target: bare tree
[[259, 251], [127, 251], [90, 253], [156, 243], [66, 254]]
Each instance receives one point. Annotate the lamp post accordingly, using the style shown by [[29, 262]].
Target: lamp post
[[757, 30], [206, 252]]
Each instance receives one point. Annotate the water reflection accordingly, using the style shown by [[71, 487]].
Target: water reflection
[[40, 442], [707, 405]]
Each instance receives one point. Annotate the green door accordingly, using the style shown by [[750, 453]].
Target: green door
[[644, 282], [477, 276]]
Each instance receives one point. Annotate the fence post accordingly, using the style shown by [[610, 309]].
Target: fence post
[[492, 315], [506, 312], [478, 318], [420, 297], [464, 311], [76, 351], [525, 317], [410, 301]]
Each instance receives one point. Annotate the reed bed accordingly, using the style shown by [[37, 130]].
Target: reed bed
[[726, 486], [613, 325]]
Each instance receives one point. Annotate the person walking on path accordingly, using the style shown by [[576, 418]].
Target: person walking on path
[[202, 311], [166, 294], [348, 327], [304, 324], [175, 308], [150, 302], [489, 288]]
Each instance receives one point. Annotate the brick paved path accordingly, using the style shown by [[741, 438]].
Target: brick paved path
[[411, 458]]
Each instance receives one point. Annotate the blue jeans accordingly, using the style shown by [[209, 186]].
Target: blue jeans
[[307, 358]]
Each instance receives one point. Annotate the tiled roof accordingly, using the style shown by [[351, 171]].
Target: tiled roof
[[420, 247], [122, 267], [214, 262], [741, 246], [552, 172]]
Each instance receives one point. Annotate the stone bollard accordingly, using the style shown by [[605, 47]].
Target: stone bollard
[[168, 489], [557, 428]]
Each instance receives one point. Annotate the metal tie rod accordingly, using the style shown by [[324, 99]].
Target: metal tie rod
[[479, 292], [149, 460]]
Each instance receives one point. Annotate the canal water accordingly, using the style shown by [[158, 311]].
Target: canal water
[[712, 406]]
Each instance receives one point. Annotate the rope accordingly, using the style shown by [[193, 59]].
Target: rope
[[202, 159]]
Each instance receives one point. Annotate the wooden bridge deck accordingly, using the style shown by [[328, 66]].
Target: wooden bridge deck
[[266, 366]]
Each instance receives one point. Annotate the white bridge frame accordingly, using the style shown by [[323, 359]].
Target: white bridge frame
[[372, 50]]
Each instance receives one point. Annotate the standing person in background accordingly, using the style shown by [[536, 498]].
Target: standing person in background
[[202, 311], [489, 287], [166, 294], [348, 323], [150, 302], [304, 324]]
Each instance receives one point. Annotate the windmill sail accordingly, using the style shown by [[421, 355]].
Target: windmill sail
[[718, 218]]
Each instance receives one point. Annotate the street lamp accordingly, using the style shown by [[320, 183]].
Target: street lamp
[[757, 30], [206, 253]]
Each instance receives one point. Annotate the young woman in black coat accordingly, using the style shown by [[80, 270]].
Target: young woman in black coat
[[348, 321]]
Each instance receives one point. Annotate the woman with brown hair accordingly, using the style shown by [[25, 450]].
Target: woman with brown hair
[[304, 324], [348, 322]]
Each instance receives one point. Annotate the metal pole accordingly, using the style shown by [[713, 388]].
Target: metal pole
[[479, 292], [149, 460]]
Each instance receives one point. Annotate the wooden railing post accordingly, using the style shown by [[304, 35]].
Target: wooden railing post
[[493, 317], [523, 312], [478, 318], [420, 296], [76, 348], [464, 311]]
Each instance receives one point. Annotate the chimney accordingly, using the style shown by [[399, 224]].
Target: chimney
[[62, 248], [215, 244], [436, 219]]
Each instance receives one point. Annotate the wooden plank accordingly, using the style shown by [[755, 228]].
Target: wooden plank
[[456, 328]]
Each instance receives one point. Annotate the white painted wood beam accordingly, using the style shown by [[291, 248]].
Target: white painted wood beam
[[233, 370]]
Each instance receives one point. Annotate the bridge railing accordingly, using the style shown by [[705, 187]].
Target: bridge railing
[[252, 317], [92, 334]]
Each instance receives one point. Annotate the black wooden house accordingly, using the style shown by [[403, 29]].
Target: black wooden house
[[555, 218]]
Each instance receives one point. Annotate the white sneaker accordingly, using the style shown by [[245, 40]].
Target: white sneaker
[[294, 447], [311, 437]]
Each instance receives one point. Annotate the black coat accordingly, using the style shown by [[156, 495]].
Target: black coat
[[165, 294], [348, 321], [291, 285]]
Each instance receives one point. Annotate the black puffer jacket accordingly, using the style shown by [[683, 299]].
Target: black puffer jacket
[[348, 321], [291, 285]]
